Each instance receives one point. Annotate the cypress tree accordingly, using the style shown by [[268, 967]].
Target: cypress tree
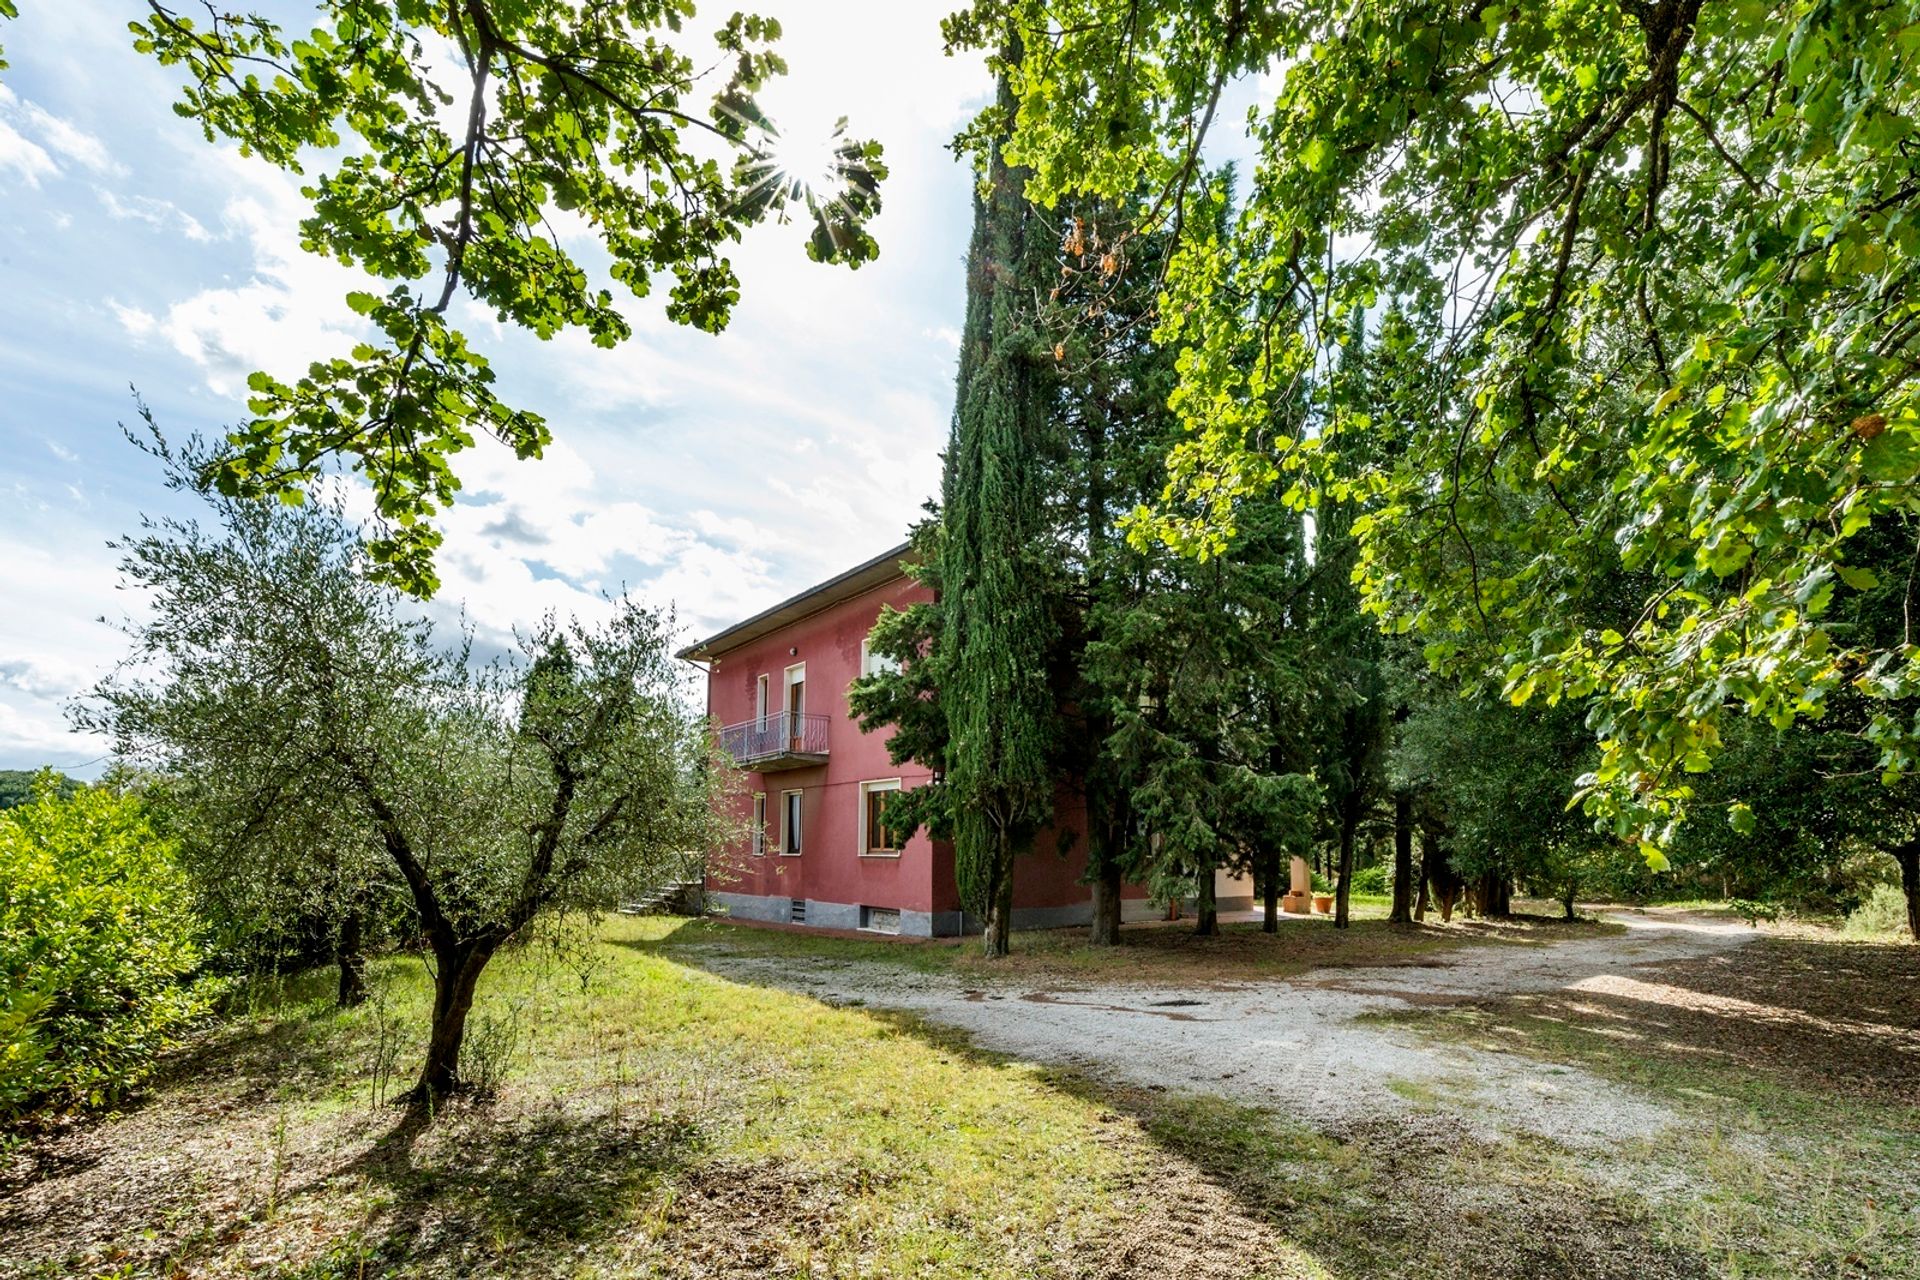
[[1001, 711]]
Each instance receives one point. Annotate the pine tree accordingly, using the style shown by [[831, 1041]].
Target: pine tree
[[997, 629]]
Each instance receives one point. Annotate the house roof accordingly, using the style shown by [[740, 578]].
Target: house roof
[[861, 578]]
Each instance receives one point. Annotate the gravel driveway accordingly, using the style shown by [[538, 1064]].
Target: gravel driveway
[[1299, 1045]]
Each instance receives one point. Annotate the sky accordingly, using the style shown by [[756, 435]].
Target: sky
[[718, 474]]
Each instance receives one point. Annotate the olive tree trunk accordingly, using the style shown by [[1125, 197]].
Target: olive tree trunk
[[453, 986], [349, 952]]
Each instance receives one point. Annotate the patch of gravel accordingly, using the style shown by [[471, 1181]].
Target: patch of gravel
[[1302, 1047]]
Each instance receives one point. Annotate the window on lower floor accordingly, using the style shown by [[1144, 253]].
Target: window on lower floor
[[759, 823], [880, 919], [877, 836], [790, 825]]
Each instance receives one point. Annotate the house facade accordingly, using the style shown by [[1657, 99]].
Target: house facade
[[818, 850]]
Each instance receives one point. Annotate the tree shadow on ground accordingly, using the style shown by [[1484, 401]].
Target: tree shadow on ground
[[1149, 952], [473, 1189], [1822, 1016], [1415, 1196], [226, 1065]]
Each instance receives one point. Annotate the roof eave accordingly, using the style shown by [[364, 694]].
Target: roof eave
[[856, 581]]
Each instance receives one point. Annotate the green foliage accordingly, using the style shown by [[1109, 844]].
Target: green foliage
[[997, 634], [1374, 880], [297, 700], [97, 939], [1671, 249], [907, 698], [17, 786], [590, 115], [1882, 915]]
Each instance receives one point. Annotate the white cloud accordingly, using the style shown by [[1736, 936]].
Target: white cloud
[[24, 159], [137, 322], [34, 157], [290, 312], [32, 740], [43, 677], [52, 646], [156, 213]]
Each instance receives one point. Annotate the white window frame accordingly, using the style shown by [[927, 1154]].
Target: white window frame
[[792, 833], [759, 847], [860, 835], [872, 663], [760, 701], [796, 674]]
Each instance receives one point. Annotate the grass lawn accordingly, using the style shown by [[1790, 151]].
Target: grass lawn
[[649, 1120]]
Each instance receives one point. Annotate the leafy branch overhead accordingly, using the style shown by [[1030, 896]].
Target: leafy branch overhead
[[1664, 262], [468, 144]]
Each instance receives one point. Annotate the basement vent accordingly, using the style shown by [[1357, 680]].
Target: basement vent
[[880, 919], [799, 911]]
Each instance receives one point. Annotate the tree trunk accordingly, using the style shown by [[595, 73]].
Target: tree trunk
[[1496, 895], [1421, 897], [459, 972], [1340, 888], [1566, 898], [1402, 859], [1270, 893], [348, 952], [1909, 858], [1206, 913], [1106, 905], [998, 935]]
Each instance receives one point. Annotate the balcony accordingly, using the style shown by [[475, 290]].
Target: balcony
[[779, 741]]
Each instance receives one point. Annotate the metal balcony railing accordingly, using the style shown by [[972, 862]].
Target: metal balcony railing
[[781, 738]]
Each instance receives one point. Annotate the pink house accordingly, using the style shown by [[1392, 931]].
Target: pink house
[[820, 851]]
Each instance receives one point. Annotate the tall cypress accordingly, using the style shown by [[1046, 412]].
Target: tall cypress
[[998, 630]]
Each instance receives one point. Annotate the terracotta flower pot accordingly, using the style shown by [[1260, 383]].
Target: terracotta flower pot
[[1323, 903]]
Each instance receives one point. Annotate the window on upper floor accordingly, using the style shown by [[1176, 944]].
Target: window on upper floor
[[872, 663]]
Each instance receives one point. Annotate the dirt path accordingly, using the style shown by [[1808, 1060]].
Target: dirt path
[[1301, 1046]]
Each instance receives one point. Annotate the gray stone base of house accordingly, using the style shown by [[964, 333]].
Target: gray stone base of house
[[913, 924]]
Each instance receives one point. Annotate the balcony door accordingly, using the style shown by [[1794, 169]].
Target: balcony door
[[796, 705]]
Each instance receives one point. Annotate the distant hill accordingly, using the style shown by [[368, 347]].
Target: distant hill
[[16, 786]]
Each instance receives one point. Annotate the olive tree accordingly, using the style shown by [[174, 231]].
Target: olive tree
[[538, 783]]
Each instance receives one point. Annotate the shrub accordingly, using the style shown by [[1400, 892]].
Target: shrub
[[1374, 880], [96, 941], [1883, 914]]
